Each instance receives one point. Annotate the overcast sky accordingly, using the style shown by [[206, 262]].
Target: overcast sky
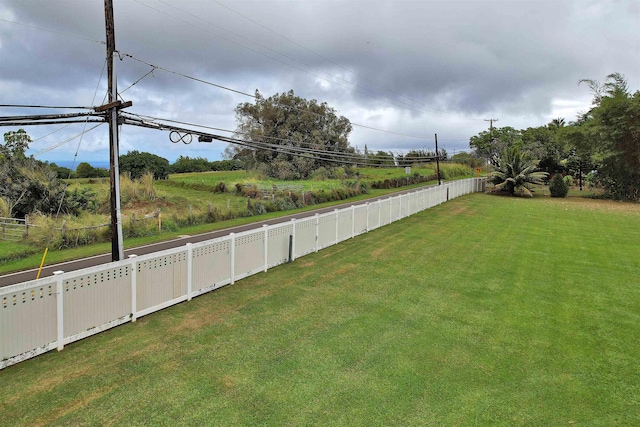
[[406, 67]]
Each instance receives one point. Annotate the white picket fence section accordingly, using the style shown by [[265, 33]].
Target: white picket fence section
[[48, 313]]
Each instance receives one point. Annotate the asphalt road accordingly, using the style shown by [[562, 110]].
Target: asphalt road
[[27, 275]]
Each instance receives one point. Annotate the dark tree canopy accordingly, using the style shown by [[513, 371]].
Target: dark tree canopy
[[288, 120], [610, 131], [85, 170], [137, 164]]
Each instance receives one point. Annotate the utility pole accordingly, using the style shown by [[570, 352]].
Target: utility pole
[[113, 105], [438, 161], [491, 126]]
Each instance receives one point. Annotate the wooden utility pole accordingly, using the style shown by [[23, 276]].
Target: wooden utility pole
[[438, 161], [491, 126], [114, 170]]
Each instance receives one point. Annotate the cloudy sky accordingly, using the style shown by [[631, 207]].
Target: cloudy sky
[[408, 69]]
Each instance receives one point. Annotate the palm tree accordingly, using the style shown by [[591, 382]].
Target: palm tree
[[515, 173]]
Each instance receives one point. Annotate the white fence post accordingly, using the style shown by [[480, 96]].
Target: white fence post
[[265, 227], [189, 270], [59, 309], [353, 221], [233, 257], [317, 230], [336, 241], [134, 287], [367, 217], [293, 239]]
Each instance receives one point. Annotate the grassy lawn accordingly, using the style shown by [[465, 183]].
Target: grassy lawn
[[482, 311]]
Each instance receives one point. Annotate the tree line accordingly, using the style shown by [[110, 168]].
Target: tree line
[[136, 164], [602, 145]]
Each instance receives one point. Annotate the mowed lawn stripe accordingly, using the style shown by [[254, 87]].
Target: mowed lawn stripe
[[482, 311]]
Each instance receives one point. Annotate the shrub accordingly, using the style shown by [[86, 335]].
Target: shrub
[[558, 186], [221, 187]]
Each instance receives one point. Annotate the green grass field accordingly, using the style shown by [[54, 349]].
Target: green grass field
[[483, 311]]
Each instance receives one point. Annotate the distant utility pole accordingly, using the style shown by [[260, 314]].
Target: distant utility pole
[[438, 161], [491, 126]]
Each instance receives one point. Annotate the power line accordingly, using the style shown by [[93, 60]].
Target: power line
[[411, 107], [154, 120], [259, 99], [44, 106], [188, 77], [46, 150], [340, 65], [320, 154], [53, 31]]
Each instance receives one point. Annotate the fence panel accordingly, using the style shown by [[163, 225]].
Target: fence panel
[[278, 244], [13, 229], [374, 215], [327, 230], [385, 211], [360, 219], [27, 320], [413, 203], [159, 280], [305, 241], [345, 224], [211, 264], [395, 209], [96, 298], [249, 254], [405, 205]]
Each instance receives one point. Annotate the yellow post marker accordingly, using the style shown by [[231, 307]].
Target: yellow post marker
[[42, 263]]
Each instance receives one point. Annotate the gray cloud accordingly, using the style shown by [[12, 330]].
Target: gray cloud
[[411, 67]]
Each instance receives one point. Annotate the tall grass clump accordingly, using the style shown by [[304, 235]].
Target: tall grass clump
[[4, 208], [454, 170]]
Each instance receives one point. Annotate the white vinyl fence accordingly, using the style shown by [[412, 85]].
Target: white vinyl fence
[[45, 314]]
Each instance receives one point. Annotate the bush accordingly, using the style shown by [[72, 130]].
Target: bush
[[558, 186]]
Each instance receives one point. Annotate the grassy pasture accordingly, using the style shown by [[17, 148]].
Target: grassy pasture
[[482, 311]]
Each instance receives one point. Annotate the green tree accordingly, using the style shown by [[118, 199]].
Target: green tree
[[85, 170], [287, 120], [490, 145], [15, 145], [136, 164], [515, 173], [610, 131], [62, 172], [557, 186], [27, 185], [381, 158], [467, 159]]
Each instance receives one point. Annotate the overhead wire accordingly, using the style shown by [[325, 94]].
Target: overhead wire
[[282, 62], [46, 150], [289, 57], [54, 31], [318, 153], [155, 120], [56, 107], [127, 55], [423, 105]]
